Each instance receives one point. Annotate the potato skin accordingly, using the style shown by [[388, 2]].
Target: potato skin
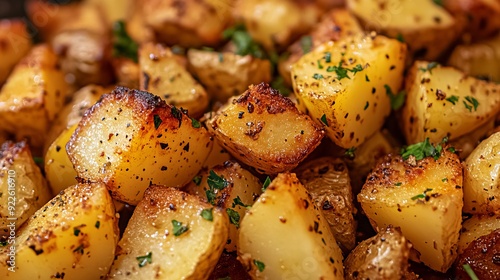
[[481, 17], [475, 227], [15, 42]]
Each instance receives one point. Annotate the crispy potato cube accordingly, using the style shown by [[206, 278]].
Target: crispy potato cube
[[241, 191], [442, 101], [161, 74], [343, 85], [131, 139], [285, 236], [327, 181], [426, 27], [171, 235], [227, 74], [73, 236], [32, 96], [482, 179], [265, 130], [424, 199], [15, 42], [475, 227], [23, 189], [381, 257]]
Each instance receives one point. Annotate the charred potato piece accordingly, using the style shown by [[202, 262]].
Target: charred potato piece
[[265, 130], [15, 42], [268, 250], [23, 189], [424, 199], [171, 235], [227, 74], [130, 139], [161, 74], [475, 227], [327, 181], [442, 101], [74, 236], [381, 257]]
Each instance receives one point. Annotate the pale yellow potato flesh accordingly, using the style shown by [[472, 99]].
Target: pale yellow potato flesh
[[475, 227]]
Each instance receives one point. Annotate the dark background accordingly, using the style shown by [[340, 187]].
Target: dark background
[[11, 8]]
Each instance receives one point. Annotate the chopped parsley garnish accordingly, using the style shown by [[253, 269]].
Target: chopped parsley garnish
[[471, 101], [207, 214], [197, 180], [38, 160], [237, 201], [343, 72], [157, 121], [356, 69], [452, 150], [279, 84], [328, 57], [350, 152], [97, 224], [76, 231], [266, 184], [143, 260], [421, 195], [215, 182], [178, 228], [444, 180], [398, 184], [400, 38], [324, 120], [260, 265], [176, 113], [397, 100], [438, 2], [123, 45], [317, 76], [195, 123], [306, 44], [234, 217], [423, 149], [470, 272], [452, 99], [366, 105], [320, 66], [243, 41], [429, 67]]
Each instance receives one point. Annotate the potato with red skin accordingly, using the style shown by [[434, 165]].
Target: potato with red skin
[[483, 257]]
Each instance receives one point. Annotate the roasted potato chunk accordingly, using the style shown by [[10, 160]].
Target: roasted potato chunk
[[464, 145], [381, 257], [73, 236], [327, 181], [267, 248], [344, 85], [227, 74], [475, 227], [126, 72], [161, 74], [426, 27], [217, 156], [131, 139], [482, 17], [481, 178], [265, 130], [171, 235], [424, 199], [23, 189], [32, 96], [15, 42], [442, 101]]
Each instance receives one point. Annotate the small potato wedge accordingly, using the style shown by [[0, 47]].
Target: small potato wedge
[[442, 101], [482, 179], [171, 235], [240, 190], [475, 227], [162, 75], [424, 199], [228, 74], [265, 130], [131, 139], [381, 257], [327, 181], [344, 85], [285, 236], [23, 189], [15, 42], [73, 236], [482, 257]]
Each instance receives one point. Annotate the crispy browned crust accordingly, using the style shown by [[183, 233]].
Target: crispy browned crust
[[10, 151], [263, 96]]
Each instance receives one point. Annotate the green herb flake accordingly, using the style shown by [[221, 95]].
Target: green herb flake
[[260, 265], [328, 57], [215, 182], [76, 231], [366, 78], [306, 44], [472, 101], [421, 195], [234, 217], [178, 228], [123, 45], [444, 180], [244, 43], [397, 100], [452, 150], [195, 123], [366, 105], [317, 76], [237, 202], [339, 70], [452, 99], [266, 184], [429, 67], [438, 2], [356, 69], [350, 152], [319, 64], [324, 120], [38, 160], [400, 38], [470, 272], [197, 180], [398, 184], [422, 150], [157, 121], [97, 224], [143, 260], [207, 214]]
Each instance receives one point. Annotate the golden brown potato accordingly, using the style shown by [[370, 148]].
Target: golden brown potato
[[73, 236], [217, 156], [162, 75], [327, 181], [131, 139], [32, 96], [240, 190], [23, 190], [113, 10], [426, 27], [265, 130], [475, 227], [15, 42], [482, 17], [227, 74], [189, 23], [423, 198], [171, 235], [481, 178], [346, 86], [464, 145], [381, 257], [126, 71], [442, 101]]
